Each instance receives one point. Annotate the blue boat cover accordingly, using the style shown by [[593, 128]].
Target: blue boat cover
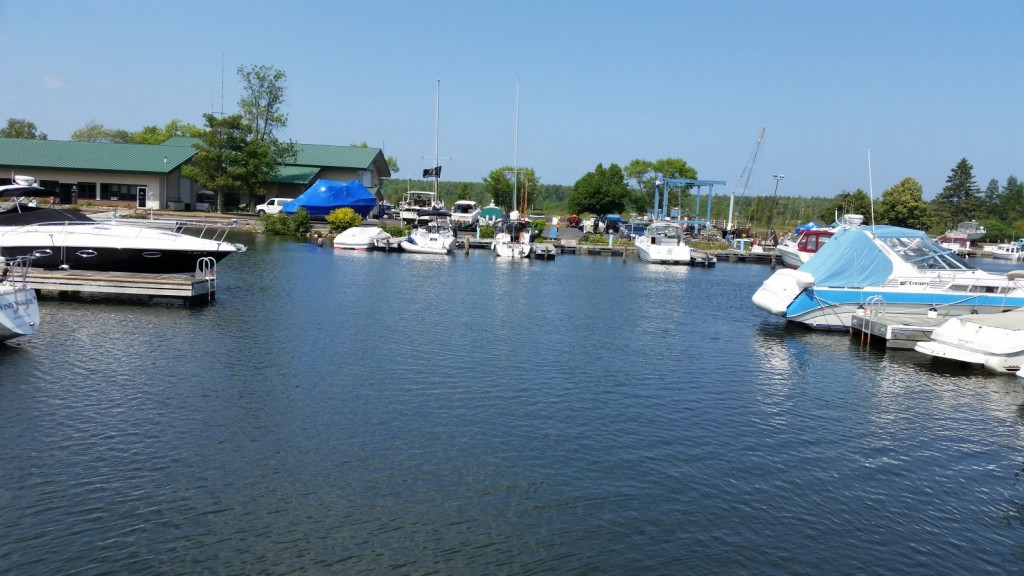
[[850, 259], [325, 196], [809, 226]]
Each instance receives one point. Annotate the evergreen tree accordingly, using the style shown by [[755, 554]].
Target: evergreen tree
[[960, 199]]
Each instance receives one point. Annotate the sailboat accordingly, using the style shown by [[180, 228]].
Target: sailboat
[[513, 238], [432, 231]]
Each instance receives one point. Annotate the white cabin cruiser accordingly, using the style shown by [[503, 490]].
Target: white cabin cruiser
[[663, 243], [433, 236], [416, 202], [19, 308], [63, 238], [900, 267], [465, 214]]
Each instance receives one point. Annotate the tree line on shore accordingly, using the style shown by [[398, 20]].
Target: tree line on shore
[[240, 153]]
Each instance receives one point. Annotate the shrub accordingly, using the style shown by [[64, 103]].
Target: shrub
[[282, 224], [397, 231], [342, 219]]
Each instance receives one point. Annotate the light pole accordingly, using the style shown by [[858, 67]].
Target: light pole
[[771, 217]]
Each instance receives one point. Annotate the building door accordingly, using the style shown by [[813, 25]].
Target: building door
[[142, 197]]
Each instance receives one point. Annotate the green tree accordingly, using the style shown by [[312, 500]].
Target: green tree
[[263, 94], [499, 186], [21, 128], [219, 164], [603, 191], [904, 205], [856, 202], [158, 135], [960, 199], [95, 132]]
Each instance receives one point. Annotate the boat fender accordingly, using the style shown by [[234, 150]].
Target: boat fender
[[781, 289]]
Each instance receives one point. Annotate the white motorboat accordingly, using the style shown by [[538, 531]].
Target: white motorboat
[[360, 238], [797, 251], [1006, 252], [58, 238], [433, 236], [900, 267], [465, 214], [663, 243], [513, 238], [19, 308], [994, 341]]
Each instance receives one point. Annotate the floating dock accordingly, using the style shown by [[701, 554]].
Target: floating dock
[[185, 289], [901, 331]]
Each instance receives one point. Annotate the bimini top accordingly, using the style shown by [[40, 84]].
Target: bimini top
[[865, 256], [325, 196]]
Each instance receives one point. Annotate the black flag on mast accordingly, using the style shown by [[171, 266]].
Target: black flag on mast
[[434, 172]]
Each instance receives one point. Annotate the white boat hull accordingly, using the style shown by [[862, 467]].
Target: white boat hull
[[993, 341], [512, 249], [657, 254]]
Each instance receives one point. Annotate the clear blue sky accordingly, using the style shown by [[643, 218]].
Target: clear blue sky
[[921, 84]]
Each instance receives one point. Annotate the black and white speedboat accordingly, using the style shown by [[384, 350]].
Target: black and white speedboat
[[69, 239]]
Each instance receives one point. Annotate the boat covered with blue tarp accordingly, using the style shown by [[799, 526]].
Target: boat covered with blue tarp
[[326, 196]]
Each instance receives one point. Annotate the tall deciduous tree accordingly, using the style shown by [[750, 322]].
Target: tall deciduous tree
[[603, 191], [263, 94], [220, 163], [21, 128], [499, 184], [960, 199], [904, 205], [158, 135], [95, 132]]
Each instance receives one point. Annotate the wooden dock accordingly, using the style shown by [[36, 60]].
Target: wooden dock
[[900, 331], [186, 289]]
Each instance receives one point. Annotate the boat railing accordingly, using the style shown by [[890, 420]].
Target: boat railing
[[216, 232], [14, 271]]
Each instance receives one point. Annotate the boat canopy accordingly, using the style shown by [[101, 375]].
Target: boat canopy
[[852, 258], [325, 196]]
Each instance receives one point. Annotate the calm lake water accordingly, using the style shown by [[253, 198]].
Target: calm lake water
[[369, 413]]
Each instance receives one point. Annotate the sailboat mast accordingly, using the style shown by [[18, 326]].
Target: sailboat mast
[[437, 124], [747, 170], [515, 155]]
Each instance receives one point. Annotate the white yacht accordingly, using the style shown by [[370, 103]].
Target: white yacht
[[663, 243], [60, 238], [513, 238], [434, 235], [465, 214]]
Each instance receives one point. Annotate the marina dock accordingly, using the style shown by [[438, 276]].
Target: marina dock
[[900, 331], [184, 289]]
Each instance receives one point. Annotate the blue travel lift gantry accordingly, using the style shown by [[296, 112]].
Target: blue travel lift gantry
[[667, 182]]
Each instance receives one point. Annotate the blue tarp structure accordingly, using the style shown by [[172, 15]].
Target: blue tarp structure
[[851, 259], [809, 226], [325, 196]]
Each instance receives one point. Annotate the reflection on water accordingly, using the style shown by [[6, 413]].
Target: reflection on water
[[365, 412]]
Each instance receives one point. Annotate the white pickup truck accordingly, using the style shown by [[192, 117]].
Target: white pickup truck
[[272, 206]]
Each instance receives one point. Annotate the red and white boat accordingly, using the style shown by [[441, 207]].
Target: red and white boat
[[796, 252]]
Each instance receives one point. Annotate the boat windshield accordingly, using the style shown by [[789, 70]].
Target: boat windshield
[[665, 231], [925, 254]]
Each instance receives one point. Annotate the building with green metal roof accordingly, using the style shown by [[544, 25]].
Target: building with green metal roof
[[149, 176]]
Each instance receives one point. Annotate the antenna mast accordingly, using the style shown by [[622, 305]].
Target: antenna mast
[[871, 192], [437, 124], [515, 156]]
